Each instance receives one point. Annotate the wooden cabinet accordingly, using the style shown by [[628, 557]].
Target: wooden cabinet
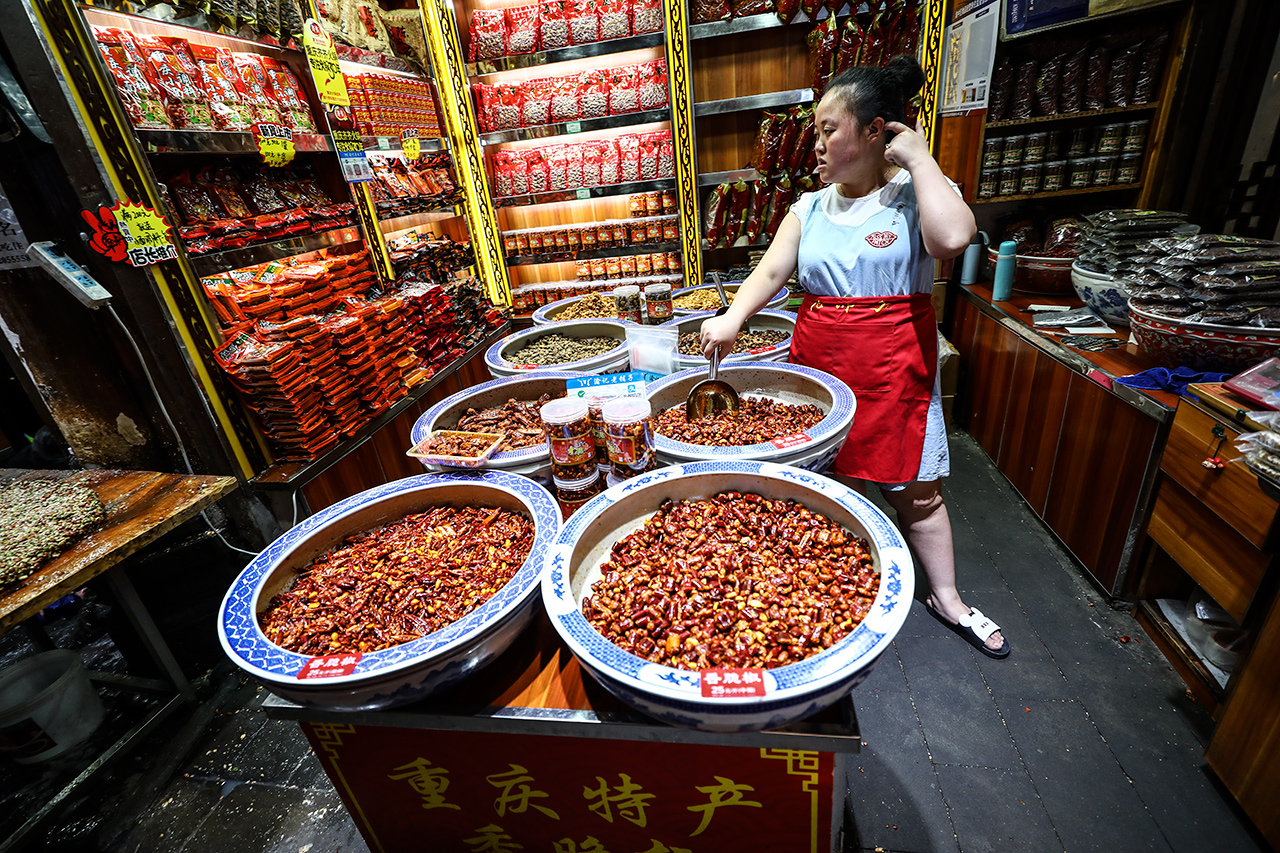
[[1082, 457]]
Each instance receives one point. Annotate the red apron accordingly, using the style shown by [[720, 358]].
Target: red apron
[[886, 350]]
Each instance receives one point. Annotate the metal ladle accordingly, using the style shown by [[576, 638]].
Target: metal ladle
[[712, 395]]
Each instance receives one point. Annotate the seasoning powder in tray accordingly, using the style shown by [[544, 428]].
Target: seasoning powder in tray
[[455, 449]]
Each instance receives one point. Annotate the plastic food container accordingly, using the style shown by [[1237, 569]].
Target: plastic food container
[[628, 435], [568, 427], [423, 452], [1013, 150], [572, 494], [1053, 176], [47, 706]]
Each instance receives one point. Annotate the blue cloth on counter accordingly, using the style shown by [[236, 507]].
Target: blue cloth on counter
[[1164, 379]]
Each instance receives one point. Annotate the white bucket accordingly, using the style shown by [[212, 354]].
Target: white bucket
[[47, 706]]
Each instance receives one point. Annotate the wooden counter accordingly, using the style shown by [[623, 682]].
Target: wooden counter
[[1080, 449]]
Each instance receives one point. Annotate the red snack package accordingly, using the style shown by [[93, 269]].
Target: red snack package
[[584, 21], [139, 98], [227, 107], [810, 8], [803, 147], [553, 26], [795, 121], [289, 95], [193, 202], [536, 168], [653, 85], [510, 106], [564, 100], [1121, 76], [183, 100], [624, 97], [822, 50], [787, 10], [735, 218], [717, 211], [611, 162], [488, 35], [522, 29], [629, 158], [257, 88], [779, 205], [646, 16], [1150, 64], [649, 156], [593, 93], [761, 193], [742, 8], [767, 141], [615, 19], [1095, 93], [535, 98], [850, 51], [876, 40], [592, 155], [705, 11]]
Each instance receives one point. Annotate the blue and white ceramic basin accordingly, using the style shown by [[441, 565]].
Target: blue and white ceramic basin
[[498, 357], [787, 383], [675, 696], [410, 671], [1102, 294], [778, 300], [782, 321]]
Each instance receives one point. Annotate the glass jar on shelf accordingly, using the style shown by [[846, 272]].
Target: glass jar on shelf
[[1129, 169], [1079, 173], [1104, 170], [1053, 176]]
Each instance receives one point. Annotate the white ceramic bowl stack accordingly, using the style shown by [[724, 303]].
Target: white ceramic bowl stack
[[616, 360], [533, 461], [413, 670], [770, 320], [673, 695], [787, 383], [731, 287]]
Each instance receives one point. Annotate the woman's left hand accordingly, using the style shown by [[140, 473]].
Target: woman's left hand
[[908, 147]]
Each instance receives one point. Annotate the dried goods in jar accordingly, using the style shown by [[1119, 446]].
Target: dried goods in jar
[[400, 582], [757, 420], [738, 580]]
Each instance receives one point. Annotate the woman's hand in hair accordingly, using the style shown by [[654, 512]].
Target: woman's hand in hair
[[908, 148]]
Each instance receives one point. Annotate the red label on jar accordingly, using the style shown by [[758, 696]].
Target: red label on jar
[[633, 316], [732, 683], [329, 666], [571, 451], [622, 449], [759, 350], [793, 440], [661, 309]]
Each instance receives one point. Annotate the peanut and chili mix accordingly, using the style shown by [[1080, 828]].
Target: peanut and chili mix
[[757, 420], [400, 582], [739, 580]]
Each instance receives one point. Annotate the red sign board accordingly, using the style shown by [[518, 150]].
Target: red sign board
[[479, 791]]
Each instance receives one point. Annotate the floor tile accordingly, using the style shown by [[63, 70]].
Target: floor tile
[[996, 811], [177, 813], [274, 819], [224, 755]]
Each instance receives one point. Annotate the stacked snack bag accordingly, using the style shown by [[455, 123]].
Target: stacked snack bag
[[387, 104], [555, 24], [624, 159], [592, 94]]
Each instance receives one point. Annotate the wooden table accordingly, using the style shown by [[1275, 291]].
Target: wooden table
[[141, 506]]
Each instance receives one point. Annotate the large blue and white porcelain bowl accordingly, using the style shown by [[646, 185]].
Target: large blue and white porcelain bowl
[[499, 357], [778, 300], [674, 696], [767, 320], [532, 461], [550, 313], [796, 384], [409, 671], [1102, 294]]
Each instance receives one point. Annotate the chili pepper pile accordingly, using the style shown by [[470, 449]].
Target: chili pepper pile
[[735, 581], [400, 582], [757, 420], [518, 419], [40, 520]]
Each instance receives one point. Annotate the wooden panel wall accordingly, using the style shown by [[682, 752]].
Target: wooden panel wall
[[994, 351], [959, 150], [1037, 405]]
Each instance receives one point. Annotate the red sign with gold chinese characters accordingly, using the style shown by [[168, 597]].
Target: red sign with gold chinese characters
[[478, 791]]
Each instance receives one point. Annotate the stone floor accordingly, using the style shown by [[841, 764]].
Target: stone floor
[[1079, 741]]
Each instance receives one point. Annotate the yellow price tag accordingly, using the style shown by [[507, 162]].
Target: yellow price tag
[[275, 143], [331, 85], [410, 144], [145, 233]]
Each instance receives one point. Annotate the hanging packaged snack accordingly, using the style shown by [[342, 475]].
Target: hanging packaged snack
[[488, 35], [1071, 92], [767, 140], [797, 116], [615, 19], [757, 211], [669, 204], [553, 27], [822, 43], [1097, 70], [593, 93], [584, 21], [646, 16], [1024, 89], [735, 219], [787, 10], [557, 168], [717, 211], [269, 17], [1048, 86], [624, 97], [522, 29], [172, 78], [876, 40], [223, 13], [139, 98], [1122, 75], [779, 205], [706, 11], [573, 168], [564, 100], [908, 36], [1001, 96], [257, 89], [810, 8], [220, 84], [742, 8], [849, 53], [291, 20], [288, 95], [1150, 66], [653, 85], [629, 158], [803, 146]]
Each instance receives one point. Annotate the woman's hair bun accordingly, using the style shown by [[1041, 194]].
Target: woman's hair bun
[[906, 69]]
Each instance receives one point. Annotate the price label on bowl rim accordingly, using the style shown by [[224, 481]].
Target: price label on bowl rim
[[793, 440], [732, 683], [330, 666]]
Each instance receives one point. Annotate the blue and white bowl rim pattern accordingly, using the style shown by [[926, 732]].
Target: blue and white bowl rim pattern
[[245, 643], [422, 426], [842, 409], [792, 682], [494, 360], [540, 317], [779, 298]]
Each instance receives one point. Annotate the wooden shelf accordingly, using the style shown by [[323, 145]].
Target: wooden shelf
[[544, 131], [564, 54], [420, 217], [218, 142], [1081, 191], [1018, 122]]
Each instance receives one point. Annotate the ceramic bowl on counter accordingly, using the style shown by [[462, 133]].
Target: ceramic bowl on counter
[[730, 288], [550, 312], [498, 358], [1203, 346], [1038, 274], [787, 383], [784, 321], [675, 696], [409, 671], [533, 461], [1102, 294]]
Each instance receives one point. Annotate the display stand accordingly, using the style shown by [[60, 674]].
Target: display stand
[[513, 757]]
